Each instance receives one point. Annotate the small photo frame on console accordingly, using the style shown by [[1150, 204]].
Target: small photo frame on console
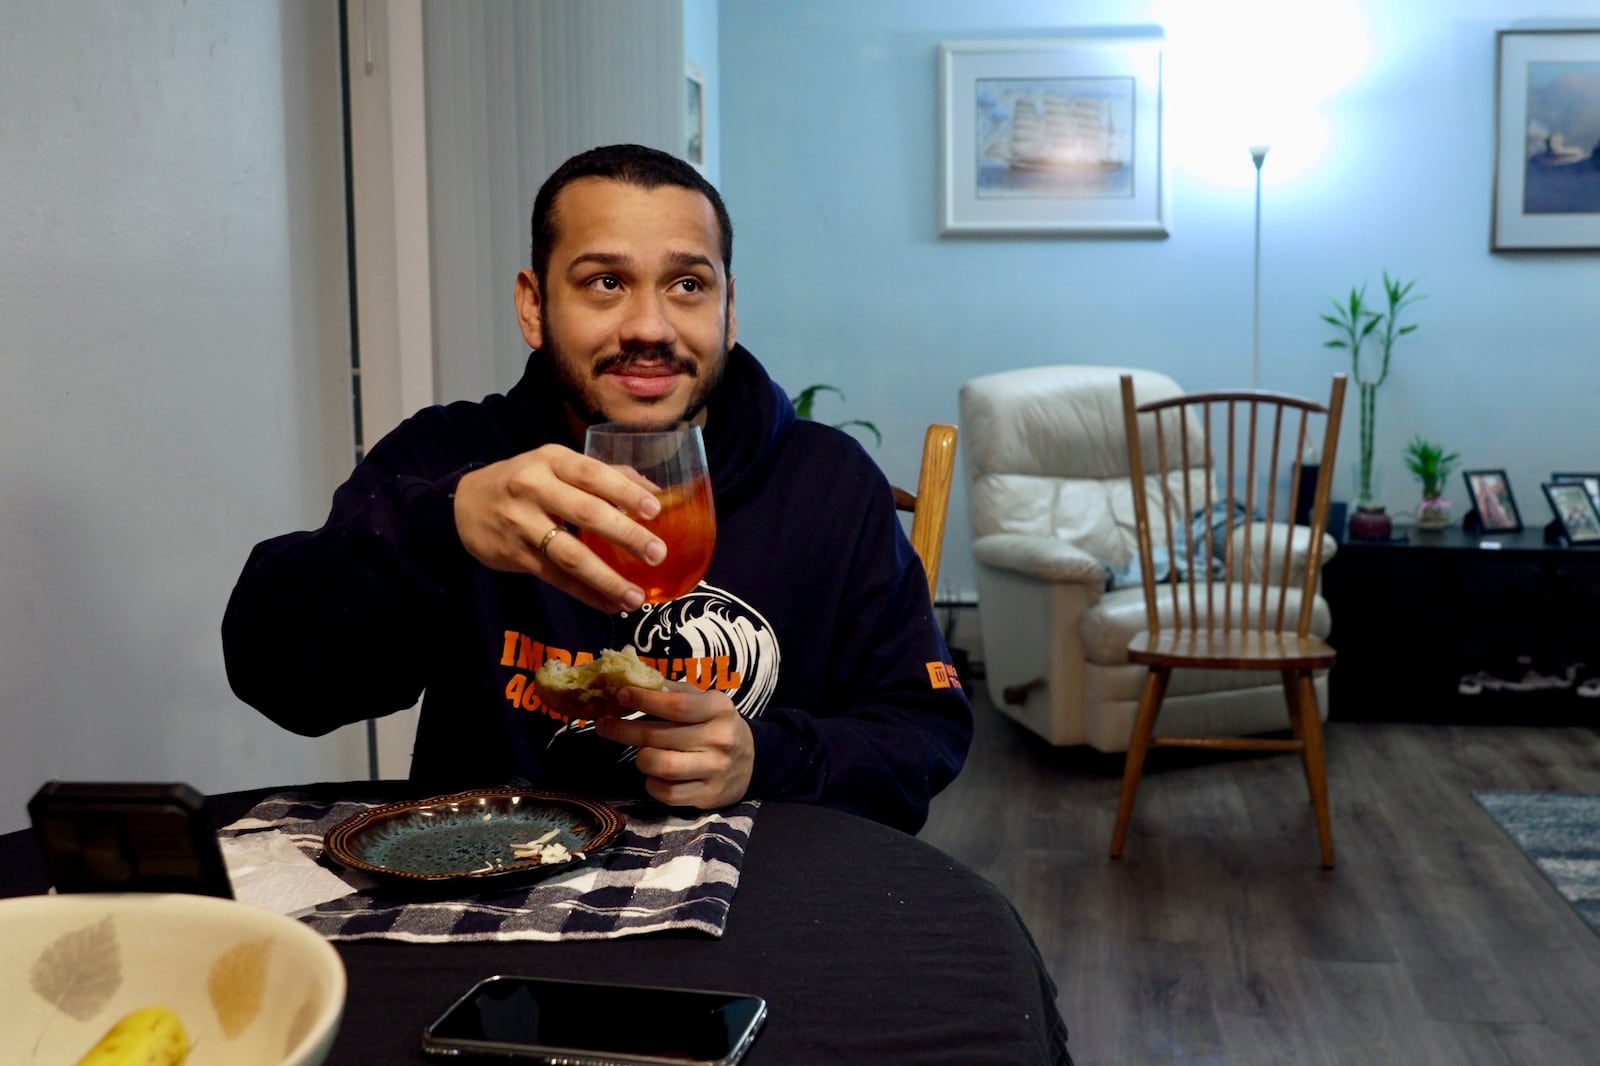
[[1575, 511], [1490, 491], [1591, 482]]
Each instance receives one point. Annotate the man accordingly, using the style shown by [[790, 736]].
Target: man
[[807, 665]]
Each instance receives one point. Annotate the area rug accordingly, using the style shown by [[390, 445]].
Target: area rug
[[1560, 833]]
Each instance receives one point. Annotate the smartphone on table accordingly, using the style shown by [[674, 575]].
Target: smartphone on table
[[584, 1023]]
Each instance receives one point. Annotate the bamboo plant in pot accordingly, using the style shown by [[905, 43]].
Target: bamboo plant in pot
[[1432, 464], [1358, 324]]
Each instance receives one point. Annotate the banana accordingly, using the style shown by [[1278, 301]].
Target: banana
[[149, 1036]]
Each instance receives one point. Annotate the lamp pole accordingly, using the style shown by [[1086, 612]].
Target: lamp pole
[[1258, 154]]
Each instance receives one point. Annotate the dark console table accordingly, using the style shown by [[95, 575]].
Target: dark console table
[[1442, 627]]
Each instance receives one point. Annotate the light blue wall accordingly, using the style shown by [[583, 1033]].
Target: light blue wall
[[829, 124]]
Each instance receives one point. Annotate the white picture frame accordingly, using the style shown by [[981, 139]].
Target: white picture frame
[[694, 141], [1547, 144], [1091, 159]]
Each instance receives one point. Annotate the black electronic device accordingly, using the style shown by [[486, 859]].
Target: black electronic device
[[128, 837], [541, 1020]]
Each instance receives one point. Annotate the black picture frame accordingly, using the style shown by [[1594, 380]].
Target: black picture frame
[[1575, 509], [1588, 481], [1496, 507]]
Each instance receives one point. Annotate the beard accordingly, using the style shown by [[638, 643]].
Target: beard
[[575, 381]]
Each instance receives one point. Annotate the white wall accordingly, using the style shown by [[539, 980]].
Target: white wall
[[173, 375], [830, 167]]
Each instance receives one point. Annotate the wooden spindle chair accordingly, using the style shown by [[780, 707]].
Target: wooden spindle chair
[[1255, 614], [928, 507]]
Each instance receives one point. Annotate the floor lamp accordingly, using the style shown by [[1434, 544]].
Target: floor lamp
[[1258, 153]]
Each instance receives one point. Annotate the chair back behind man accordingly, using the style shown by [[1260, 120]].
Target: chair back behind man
[[930, 504]]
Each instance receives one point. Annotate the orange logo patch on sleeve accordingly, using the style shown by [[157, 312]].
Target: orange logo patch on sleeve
[[942, 675]]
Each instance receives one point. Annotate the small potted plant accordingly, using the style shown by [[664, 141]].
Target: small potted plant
[[1432, 464], [1357, 323]]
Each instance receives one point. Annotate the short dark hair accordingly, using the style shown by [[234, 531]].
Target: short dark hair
[[631, 164]]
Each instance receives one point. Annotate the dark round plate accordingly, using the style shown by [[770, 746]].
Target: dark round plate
[[464, 839]]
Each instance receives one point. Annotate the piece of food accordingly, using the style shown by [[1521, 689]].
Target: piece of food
[[546, 849], [582, 692], [149, 1036]]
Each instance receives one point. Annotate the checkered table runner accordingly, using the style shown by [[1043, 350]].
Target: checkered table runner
[[662, 872]]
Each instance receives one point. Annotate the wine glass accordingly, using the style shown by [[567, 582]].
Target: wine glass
[[672, 457]]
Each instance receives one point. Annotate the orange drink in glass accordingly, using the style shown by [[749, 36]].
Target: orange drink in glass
[[672, 457]]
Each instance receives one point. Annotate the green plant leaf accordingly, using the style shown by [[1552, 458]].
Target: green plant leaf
[[864, 424], [1430, 463], [807, 398], [805, 401]]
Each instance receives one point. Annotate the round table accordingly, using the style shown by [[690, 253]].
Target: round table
[[869, 946]]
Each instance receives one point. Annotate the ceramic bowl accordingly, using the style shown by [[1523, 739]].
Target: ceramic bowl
[[252, 988]]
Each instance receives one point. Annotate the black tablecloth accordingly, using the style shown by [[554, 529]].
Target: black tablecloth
[[869, 946]]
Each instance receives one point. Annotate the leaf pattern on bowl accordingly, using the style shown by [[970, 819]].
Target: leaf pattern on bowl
[[236, 984], [304, 1018], [78, 972]]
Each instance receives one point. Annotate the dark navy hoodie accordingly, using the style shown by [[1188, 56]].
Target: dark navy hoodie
[[814, 616]]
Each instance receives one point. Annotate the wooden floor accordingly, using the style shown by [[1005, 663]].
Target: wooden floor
[[1218, 938]]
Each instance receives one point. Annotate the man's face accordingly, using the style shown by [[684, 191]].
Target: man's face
[[637, 315]]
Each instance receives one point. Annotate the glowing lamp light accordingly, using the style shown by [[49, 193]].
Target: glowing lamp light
[[1255, 72]]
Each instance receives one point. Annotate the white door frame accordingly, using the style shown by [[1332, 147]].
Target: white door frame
[[393, 287]]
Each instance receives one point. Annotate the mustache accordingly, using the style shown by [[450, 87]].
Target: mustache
[[652, 357]]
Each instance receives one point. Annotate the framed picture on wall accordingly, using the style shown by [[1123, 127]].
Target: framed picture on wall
[[1590, 482], [1547, 140], [1575, 511], [694, 150], [1061, 136], [1490, 491]]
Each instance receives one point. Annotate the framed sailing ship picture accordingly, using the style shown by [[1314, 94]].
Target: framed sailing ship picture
[[1547, 140], [1060, 136]]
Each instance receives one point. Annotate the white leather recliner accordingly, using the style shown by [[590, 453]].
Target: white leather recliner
[[1050, 499]]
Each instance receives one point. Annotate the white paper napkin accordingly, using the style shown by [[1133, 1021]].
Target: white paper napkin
[[268, 870]]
